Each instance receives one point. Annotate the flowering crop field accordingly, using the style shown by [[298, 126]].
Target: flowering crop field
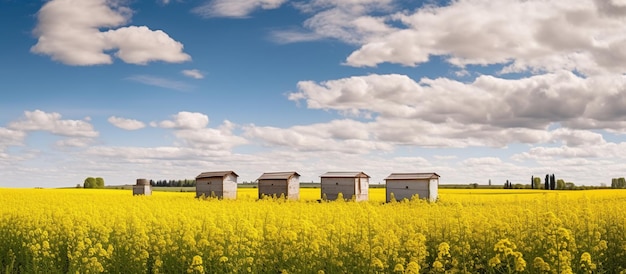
[[467, 231]]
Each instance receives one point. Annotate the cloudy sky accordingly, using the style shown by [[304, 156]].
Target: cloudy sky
[[166, 89]]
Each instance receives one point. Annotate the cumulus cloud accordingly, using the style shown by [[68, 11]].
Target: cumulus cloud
[[127, 124], [346, 136], [192, 131], [186, 120], [489, 111], [9, 137], [348, 21], [71, 32], [534, 35], [235, 8], [51, 122], [193, 73]]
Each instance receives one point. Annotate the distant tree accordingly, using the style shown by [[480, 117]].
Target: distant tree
[[569, 185], [99, 182], [560, 184], [90, 182], [621, 182], [532, 182], [489, 182], [547, 182], [537, 183], [552, 182]]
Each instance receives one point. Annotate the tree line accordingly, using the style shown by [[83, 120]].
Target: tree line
[[618, 183], [174, 183], [550, 183]]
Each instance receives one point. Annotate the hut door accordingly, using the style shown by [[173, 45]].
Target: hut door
[[359, 185]]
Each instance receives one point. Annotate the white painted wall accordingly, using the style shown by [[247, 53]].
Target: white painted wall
[[434, 190]]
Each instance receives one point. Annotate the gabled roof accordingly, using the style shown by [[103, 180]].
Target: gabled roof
[[412, 176], [278, 175], [354, 174], [216, 174]]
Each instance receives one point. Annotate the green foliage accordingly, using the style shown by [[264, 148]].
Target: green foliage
[[99, 182], [90, 182], [618, 183]]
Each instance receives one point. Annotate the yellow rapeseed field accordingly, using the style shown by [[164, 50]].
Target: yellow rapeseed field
[[467, 231]]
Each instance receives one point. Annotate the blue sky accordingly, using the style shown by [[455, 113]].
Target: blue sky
[[471, 89]]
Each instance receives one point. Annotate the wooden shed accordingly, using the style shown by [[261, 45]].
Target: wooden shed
[[349, 184], [280, 183], [142, 187], [405, 185], [220, 184]]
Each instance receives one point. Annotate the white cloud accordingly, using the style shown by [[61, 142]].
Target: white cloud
[[488, 102], [193, 73], [186, 120], [235, 8], [74, 142], [70, 32], [348, 21], [51, 122], [9, 137], [127, 124], [160, 82], [534, 35]]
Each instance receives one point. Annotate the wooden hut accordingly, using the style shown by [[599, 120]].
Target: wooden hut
[[280, 183], [405, 185], [220, 184], [349, 184], [142, 187]]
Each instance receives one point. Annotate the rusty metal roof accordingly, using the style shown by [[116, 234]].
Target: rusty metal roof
[[412, 176], [350, 174], [216, 174], [278, 175]]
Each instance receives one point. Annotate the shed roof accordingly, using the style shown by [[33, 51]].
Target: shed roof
[[278, 175], [216, 174], [412, 176], [349, 174]]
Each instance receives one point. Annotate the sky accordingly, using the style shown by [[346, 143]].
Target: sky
[[474, 90]]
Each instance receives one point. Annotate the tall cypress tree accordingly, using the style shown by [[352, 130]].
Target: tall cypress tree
[[552, 182], [547, 182], [532, 182]]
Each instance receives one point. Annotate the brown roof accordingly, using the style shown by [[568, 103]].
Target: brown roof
[[278, 175], [412, 176], [216, 174], [344, 175]]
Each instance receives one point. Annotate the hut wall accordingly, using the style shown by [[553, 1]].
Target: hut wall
[[210, 186], [362, 188], [434, 189], [142, 190], [293, 188], [230, 187], [402, 189], [333, 186], [271, 187]]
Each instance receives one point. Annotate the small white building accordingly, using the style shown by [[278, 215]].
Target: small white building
[[286, 184], [405, 185], [349, 184], [220, 184], [142, 187]]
